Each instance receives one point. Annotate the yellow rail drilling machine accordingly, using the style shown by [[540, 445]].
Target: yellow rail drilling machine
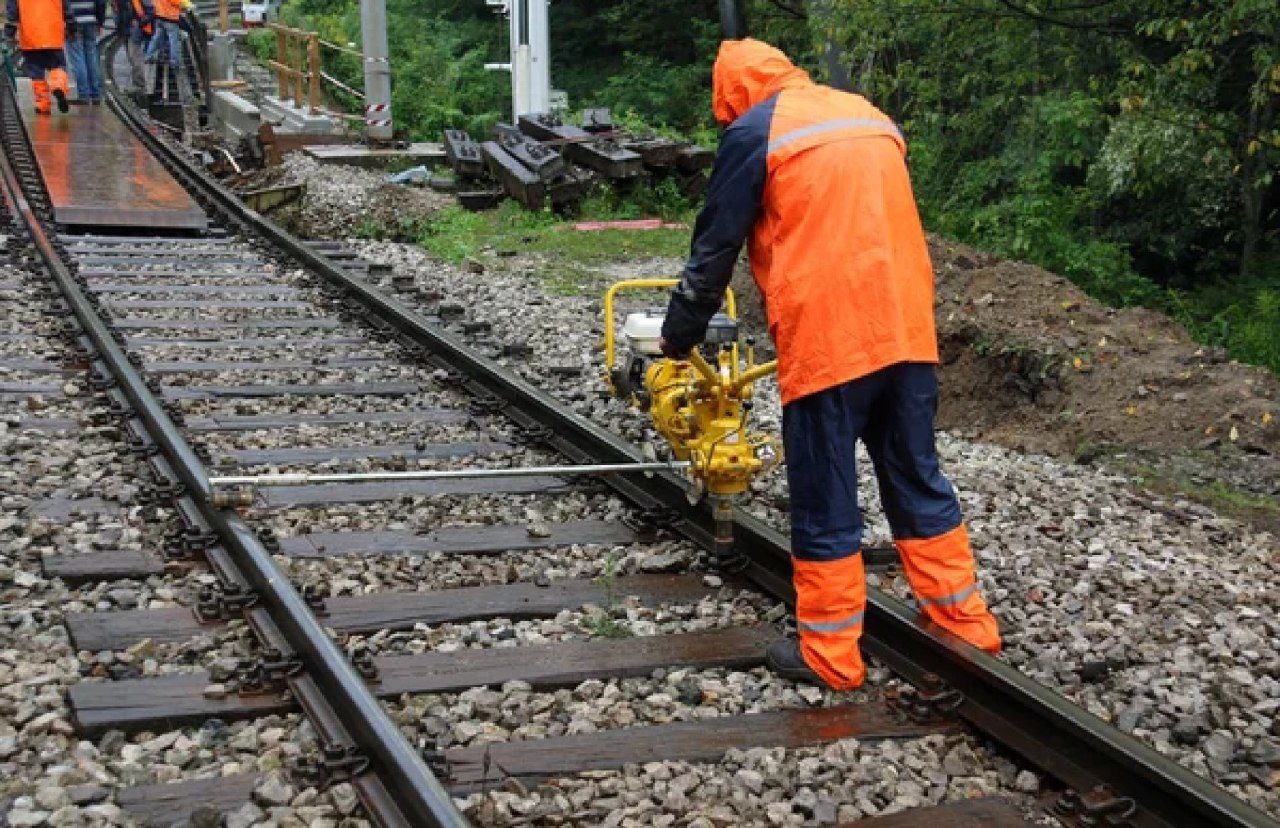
[[700, 405]]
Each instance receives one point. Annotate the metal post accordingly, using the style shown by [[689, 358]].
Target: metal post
[[377, 71], [530, 64], [539, 67], [731, 22]]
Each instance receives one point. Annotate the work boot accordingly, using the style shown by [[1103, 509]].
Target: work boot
[[784, 658], [59, 85]]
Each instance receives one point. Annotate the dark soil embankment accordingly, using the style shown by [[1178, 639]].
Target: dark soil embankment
[[1030, 361]]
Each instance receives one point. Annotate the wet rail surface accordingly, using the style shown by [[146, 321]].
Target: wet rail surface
[[198, 326]]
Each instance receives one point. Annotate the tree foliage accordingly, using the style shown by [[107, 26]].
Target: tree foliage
[[1131, 145]]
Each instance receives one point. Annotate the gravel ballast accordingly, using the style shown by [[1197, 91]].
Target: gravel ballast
[[1155, 614]]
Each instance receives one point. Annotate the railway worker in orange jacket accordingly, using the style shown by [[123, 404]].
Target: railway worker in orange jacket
[[40, 29], [816, 180]]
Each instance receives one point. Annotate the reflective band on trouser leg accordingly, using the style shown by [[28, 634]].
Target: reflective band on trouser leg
[[831, 597], [941, 572]]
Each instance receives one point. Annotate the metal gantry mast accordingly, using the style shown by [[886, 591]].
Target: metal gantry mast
[[530, 62]]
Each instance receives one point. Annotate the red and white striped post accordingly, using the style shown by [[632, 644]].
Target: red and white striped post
[[377, 72]]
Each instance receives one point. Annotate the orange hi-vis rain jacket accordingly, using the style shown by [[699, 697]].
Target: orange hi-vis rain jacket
[[816, 179], [41, 24], [170, 10]]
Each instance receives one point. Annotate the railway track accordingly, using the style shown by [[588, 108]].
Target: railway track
[[247, 349]]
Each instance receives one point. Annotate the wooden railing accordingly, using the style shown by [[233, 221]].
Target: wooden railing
[[297, 65]]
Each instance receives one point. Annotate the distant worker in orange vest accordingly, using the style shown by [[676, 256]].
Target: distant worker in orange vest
[[817, 180], [40, 29], [168, 34]]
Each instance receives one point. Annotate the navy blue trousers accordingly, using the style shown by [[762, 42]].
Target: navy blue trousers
[[892, 411], [40, 61]]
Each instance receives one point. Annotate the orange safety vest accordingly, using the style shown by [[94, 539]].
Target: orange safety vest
[[40, 25], [169, 10], [838, 250], [140, 12]]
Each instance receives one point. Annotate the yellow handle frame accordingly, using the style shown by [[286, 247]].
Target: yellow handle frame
[[736, 383]]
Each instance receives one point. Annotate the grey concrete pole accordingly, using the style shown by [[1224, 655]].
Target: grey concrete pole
[[377, 71]]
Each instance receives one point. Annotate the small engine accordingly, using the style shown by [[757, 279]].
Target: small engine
[[700, 405], [642, 331]]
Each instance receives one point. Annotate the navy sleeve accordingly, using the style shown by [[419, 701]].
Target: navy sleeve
[[734, 197], [11, 18]]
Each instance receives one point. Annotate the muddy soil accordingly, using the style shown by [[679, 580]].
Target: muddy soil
[[1029, 357], [1030, 361]]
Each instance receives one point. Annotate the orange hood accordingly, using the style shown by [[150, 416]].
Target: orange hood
[[748, 72]]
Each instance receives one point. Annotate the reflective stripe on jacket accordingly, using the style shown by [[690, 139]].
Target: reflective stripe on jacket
[[41, 23], [817, 180], [88, 12]]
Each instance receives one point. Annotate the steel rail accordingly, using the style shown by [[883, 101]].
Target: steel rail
[[1046, 729], [418, 795]]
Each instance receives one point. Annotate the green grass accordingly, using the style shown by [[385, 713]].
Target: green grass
[[1221, 497], [603, 624], [1243, 317], [572, 258], [1225, 499]]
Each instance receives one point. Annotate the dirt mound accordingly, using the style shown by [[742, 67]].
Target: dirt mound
[[1030, 360]]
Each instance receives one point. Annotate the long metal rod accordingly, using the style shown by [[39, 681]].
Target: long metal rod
[[307, 478], [417, 792], [1052, 732]]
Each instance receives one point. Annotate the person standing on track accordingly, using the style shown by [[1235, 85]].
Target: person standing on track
[[817, 180], [168, 35], [135, 21], [39, 27], [87, 18]]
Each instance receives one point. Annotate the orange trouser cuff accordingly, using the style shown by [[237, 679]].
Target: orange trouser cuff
[[831, 597], [40, 92], [941, 572], [58, 80]]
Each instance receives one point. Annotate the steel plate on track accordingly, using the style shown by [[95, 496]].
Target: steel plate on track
[[98, 174]]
